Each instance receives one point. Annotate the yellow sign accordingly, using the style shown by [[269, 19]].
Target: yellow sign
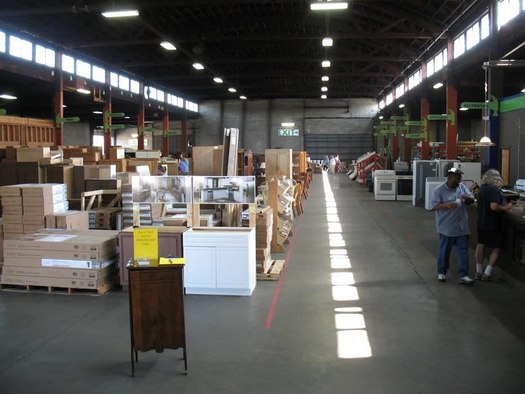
[[145, 244], [171, 261]]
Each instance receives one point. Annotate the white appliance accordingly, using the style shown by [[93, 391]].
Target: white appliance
[[430, 184], [385, 184], [471, 171], [421, 170], [404, 187]]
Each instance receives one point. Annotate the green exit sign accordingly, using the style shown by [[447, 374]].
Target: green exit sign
[[288, 132]]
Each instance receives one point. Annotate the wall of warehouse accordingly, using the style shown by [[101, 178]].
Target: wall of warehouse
[[259, 121]]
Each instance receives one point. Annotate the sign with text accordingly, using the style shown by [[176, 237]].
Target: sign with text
[[288, 132]]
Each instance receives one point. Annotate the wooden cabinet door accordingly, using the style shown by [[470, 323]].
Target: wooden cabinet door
[[157, 305]]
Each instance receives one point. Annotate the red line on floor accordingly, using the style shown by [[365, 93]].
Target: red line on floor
[[271, 311]]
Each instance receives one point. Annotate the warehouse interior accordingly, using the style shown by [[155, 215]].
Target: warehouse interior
[[235, 196]]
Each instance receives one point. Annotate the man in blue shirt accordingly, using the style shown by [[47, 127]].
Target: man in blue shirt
[[449, 200]]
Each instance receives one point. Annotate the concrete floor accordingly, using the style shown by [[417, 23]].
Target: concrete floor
[[393, 327]]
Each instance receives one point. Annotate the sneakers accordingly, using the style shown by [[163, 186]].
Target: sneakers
[[486, 278], [466, 280], [479, 276], [442, 278]]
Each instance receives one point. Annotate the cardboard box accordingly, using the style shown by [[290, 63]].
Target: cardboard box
[[148, 154], [24, 154], [75, 161], [100, 171], [22, 256], [141, 170], [13, 218], [15, 228], [54, 272], [44, 189], [120, 164], [116, 152], [37, 262], [66, 240], [61, 174], [31, 228], [56, 282], [11, 200], [12, 210], [46, 209], [34, 219], [46, 200], [71, 220], [10, 191]]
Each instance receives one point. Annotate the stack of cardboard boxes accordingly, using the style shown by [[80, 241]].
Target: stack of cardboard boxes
[[263, 239], [67, 259], [25, 206]]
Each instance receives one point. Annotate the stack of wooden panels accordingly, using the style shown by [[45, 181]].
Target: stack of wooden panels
[[67, 260], [263, 238]]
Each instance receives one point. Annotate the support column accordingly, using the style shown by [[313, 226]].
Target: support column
[[59, 100], [452, 125], [165, 129], [184, 137], [425, 146], [107, 126], [140, 125]]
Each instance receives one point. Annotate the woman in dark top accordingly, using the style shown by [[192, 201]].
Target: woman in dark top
[[491, 206]]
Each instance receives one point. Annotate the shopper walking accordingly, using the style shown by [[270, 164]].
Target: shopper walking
[[184, 165], [491, 205], [449, 200]]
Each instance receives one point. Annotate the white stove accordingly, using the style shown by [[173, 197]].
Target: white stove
[[385, 185]]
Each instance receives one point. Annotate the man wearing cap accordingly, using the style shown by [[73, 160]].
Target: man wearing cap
[[449, 200]]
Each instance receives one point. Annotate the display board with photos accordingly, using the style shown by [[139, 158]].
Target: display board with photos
[[167, 189], [223, 189]]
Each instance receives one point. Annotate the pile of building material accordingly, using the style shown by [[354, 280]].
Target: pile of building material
[[263, 239], [61, 260]]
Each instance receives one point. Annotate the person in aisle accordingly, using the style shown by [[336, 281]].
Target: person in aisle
[[491, 205], [326, 163], [449, 201], [332, 165], [184, 165], [337, 164]]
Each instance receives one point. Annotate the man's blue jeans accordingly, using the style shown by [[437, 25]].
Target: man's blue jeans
[[445, 247]]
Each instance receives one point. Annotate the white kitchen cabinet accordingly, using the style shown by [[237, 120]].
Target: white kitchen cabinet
[[219, 261]]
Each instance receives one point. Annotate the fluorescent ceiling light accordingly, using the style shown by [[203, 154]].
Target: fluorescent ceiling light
[[288, 124], [329, 5], [64, 106], [126, 117], [120, 13], [381, 117], [198, 66], [218, 80], [83, 91], [438, 85], [8, 96], [325, 63], [233, 90], [325, 78], [323, 96], [243, 97], [401, 105], [324, 89], [463, 109], [328, 42], [523, 90], [168, 46], [97, 112]]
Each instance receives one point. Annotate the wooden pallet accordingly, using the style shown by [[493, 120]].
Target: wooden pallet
[[56, 290], [273, 272]]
